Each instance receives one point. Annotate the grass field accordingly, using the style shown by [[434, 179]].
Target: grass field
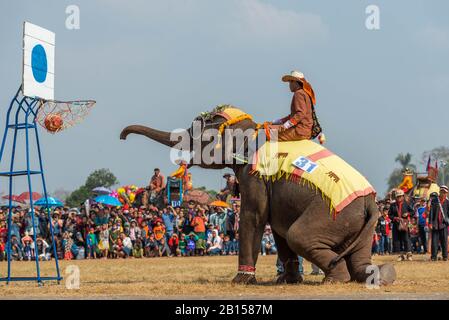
[[210, 277]]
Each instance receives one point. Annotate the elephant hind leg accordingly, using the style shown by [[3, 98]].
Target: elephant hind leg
[[302, 240], [361, 268], [289, 260]]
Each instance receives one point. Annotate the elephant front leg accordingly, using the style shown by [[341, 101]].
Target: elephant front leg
[[250, 231], [289, 260]]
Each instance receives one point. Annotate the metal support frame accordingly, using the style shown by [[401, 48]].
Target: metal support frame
[[27, 108]]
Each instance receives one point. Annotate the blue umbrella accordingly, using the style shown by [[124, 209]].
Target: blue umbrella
[[108, 200], [52, 202]]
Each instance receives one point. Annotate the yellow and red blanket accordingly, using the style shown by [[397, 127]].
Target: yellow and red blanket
[[308, 162]]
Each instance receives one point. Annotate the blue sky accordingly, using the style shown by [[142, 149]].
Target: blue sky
[[160, 63]]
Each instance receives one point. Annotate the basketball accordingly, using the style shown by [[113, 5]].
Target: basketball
[[53, 122]]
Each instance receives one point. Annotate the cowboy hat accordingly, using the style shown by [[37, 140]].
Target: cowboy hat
[[294, 76], [444, 188], [299, 76], [399, 193]]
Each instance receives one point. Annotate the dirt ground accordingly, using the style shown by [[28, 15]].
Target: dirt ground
[[210, 278]]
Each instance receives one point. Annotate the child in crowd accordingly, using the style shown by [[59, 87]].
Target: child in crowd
[[151, 247], [190, 247], [92, 244], [159, 231], [137, 249], [200, 246], [164, 250], [182, 244], [103, 244], [117, 248], [67, 243], [42, 249], [127, 246], [227, 245], [236, 244], [173, 244], [375, 244], [414, 235], [2, 249]]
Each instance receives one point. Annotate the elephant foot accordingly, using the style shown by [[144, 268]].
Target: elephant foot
[[290, 278], [244, 278], [245, 275], [387, 274]]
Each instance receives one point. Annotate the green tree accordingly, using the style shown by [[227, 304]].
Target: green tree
[[396, 176], [98, 178], [78, 196], [101, 178]]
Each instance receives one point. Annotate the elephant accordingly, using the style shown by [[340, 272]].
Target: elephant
[[299, 219]]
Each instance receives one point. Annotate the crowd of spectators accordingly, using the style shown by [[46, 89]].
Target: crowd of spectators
[[106, 232], [412, 225]]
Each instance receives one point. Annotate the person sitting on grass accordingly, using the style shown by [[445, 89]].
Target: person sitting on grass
[[117, 248], [164, 250], [16, 251], [127, 245], [227, 246], [216, 244], [173, 244], [42, 249], [191, 245], [235, 244], [200, 246], [151, 247], [137, 249], [268, 245]]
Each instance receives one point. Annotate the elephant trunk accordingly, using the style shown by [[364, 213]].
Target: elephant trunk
[[156, 135]]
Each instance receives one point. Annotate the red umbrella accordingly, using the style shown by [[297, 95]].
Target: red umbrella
[[25, 196], [13, 198]]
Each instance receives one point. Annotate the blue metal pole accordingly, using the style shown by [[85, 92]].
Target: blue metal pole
[[48, 207], [5, 135], [7, 122], [30, 190], [11, 170]]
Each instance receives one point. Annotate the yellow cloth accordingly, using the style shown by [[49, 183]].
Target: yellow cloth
[[179, 173], [232, 113], [338, 182], [424, 192]]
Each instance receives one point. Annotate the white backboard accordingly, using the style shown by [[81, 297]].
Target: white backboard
[[38, 76]]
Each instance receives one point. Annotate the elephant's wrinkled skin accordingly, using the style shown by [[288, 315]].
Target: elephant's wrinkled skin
[[301, 224]]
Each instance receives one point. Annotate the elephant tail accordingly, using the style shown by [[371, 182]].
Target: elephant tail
[[372, 215]]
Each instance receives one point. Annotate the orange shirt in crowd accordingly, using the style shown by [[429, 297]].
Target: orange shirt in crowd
[[159, 232], [198, 224]]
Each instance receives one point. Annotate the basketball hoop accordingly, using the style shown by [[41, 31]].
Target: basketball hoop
[[56, 116]]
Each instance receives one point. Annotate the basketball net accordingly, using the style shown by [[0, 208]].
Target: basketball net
[[55, 116]]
